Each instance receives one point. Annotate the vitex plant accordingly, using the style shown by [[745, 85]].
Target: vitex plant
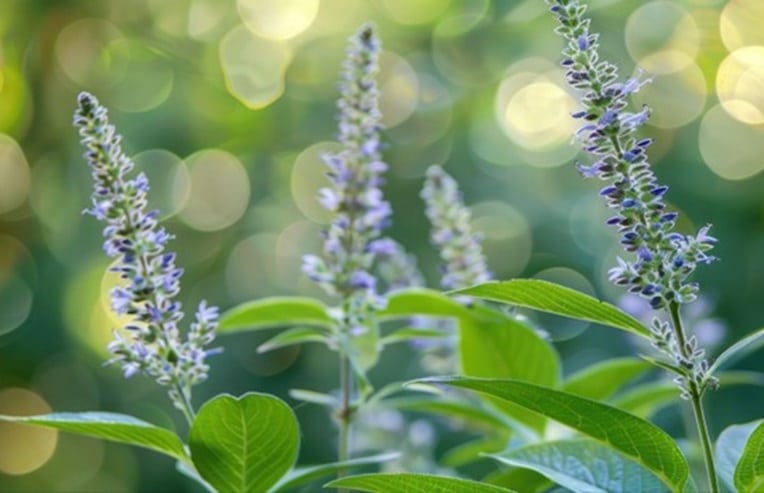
[[607, 441]]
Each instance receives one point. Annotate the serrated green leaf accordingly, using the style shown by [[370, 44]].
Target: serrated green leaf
[[493, 345], [244, 444], [411, 333], [113, 427], [412, 483], [300, 476], [469, 452], [601, 380], [729, 449], [418, 301], [290, 337], [276, 311], [634, 437], [749, 472], [552, 298], [584, 465], [745, 346]]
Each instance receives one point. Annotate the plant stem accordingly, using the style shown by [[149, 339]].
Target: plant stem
[[185, 404], [697, 406], [344, 413]]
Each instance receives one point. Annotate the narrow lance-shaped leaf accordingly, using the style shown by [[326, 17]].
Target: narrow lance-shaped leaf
[[419, 301], [276, 311], [244, 444], [290, 337], [740, 349], [300, 476], [601, 380], [636, 438], [729, 449], [559, 300], [412, 483], [113, 427], [585, 466], [749, 473]]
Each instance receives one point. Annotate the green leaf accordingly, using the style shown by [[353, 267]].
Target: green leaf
[[584, 465], [300, 476], [469, 452], [276, 311], [412, 483], [244, 444], [113, 427], [729, 449], [313, 397], [411, 333], [601, 380], [471, 413], [749, 473], [525, 480], [636, 438], [646, 399], [740, 349], [559, 300], [418, 301], [290, 337], [500, 347], [188, 471]]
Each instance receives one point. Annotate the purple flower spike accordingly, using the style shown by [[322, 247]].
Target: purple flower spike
[[150, 280]]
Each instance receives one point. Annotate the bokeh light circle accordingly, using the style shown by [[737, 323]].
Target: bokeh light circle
[[308, 177], [534, 110], [741, 22], [676, 98], [507, 241], [558, 328], [169, 177], [411, 13], [219, 190], [250, 268], [740, 84], [82, 53], [15, 175], [25, 448], [659, 26], [253, 67], [278, 19], [730, 148], [399, 89]]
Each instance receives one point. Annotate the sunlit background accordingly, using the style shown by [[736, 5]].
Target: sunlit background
[[227, 105]]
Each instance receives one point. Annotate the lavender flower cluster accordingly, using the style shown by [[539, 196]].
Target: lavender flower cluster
[[664, 259], [352, 242], [464, 263], [153, 343]]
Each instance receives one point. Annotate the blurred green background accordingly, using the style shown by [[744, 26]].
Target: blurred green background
[[228, 104]]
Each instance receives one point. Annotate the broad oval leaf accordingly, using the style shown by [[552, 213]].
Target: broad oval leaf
[[412, 483], [601, 380], [741, 348], [584, 465], [244, 444], [559, 300], [419, 301], [275, 311], [290, 337], [729, 449], [300, 476], [636, 438], [749, 472], [113, 427], [493, 345]]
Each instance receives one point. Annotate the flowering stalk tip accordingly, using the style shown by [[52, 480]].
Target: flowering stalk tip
[[150, 279], [464, 263]]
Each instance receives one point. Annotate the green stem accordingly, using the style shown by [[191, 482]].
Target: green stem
[[697, 406], [344, 413], [185, 404]]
